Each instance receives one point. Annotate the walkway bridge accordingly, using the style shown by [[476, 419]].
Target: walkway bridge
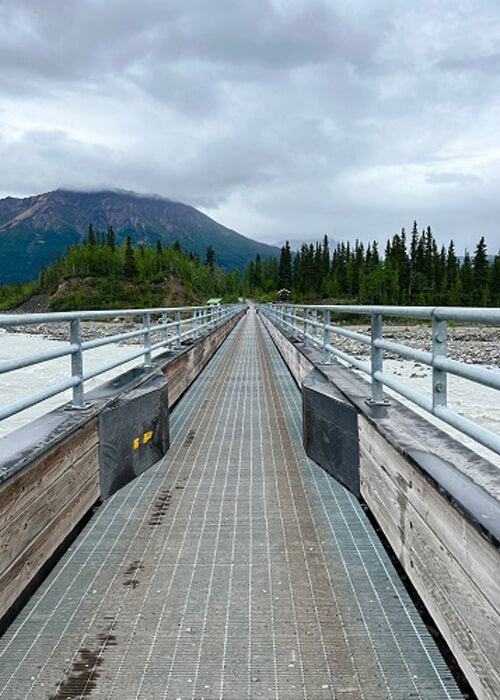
[[235, 566]]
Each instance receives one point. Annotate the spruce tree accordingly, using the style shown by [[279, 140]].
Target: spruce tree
[[413, 262], [466, 280], [129, 268], [210, 258], [285, 268], [480, 276], [494, 281], [91, 239], [326, 257], [110, 238], [452, 266], [159, 255], [258, 273]]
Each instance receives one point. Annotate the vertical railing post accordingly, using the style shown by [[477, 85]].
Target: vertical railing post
[[147, 340], [439, 376], [315, 323], [77, 363], [326, 335], [178, 328], [377, 359], [306, 312], [164, 321], [195, 324]]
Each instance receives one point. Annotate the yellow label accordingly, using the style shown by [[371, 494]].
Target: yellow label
[[136, 443], [147, 437]]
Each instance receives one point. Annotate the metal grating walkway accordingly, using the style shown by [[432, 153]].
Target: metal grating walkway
[[234, 568]]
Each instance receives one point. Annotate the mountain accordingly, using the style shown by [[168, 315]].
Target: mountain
[[34, 229]]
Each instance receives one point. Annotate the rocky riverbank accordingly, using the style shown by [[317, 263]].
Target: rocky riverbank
[[90, 330], [471, 344]]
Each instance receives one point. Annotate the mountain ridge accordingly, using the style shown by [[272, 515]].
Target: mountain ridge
[[33, 230]]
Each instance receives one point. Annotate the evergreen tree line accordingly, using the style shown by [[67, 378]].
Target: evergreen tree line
[[407, 272], [125, 266]]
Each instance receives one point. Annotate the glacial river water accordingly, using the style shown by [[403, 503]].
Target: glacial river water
[[22, 382]]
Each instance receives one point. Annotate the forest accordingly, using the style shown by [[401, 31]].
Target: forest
[[407, 272], [99, 274]]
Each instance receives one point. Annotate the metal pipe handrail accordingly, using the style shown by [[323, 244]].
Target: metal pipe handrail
[[464, 314], [359, 337], [404, 351], [19, 363], [200, 319], [7, 320], [20, 405], [297, 319], [111, 365], [98, 342]]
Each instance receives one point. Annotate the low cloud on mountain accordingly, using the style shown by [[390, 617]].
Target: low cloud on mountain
[[279, 118]]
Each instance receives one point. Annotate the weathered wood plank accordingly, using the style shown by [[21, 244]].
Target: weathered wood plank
[[39, 512], [459, 536], [460, 585], [182, 371], [22, 488], [15, 579], [463, 613], [296, 362], [472, 659]]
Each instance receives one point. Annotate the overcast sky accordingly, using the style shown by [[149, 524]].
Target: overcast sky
[[278, 118]]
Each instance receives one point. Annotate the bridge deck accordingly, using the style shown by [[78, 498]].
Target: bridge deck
[[234, 568]]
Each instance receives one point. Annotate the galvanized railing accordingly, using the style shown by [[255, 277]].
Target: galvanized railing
[[176, 324], [314, 324]]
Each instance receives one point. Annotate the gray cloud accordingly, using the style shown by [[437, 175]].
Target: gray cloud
[[486, 64], [459, 178], [278, 117]]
